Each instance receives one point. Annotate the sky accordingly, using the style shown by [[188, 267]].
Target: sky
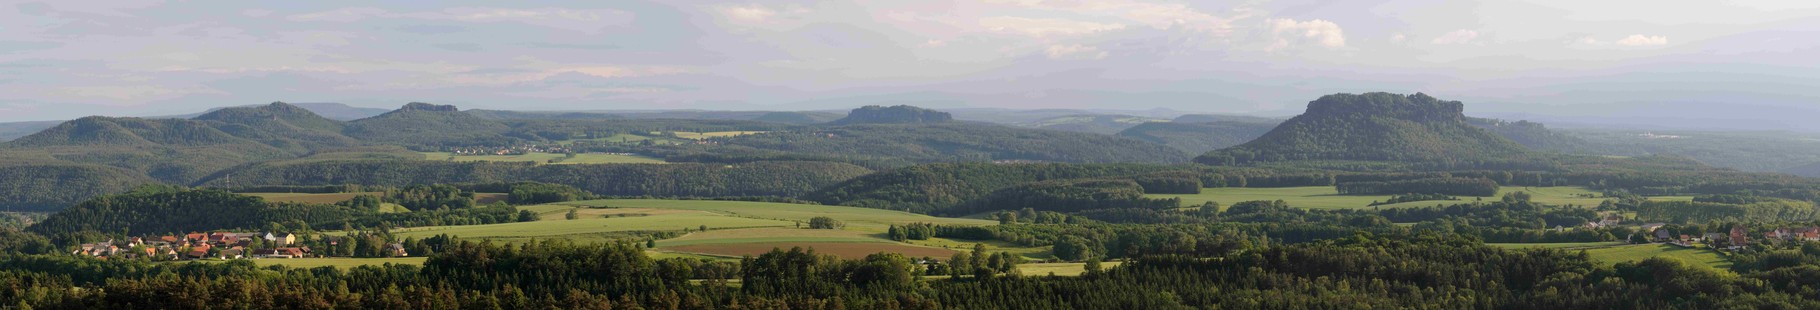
[[1707, 61]]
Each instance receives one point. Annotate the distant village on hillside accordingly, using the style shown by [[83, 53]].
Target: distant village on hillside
[[216, 245]]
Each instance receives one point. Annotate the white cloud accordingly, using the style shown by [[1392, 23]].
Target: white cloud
[[1046, 27], [1642, 40], [1154, 15], [1325, 33], [342, 15], [1461, 36], [745, 13], [1398, 38], [570, 19], [1074, 51], [541, 70], [1635, 40]]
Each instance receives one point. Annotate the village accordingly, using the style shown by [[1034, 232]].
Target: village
[[214, 245], [510, 150], [1737, 238]]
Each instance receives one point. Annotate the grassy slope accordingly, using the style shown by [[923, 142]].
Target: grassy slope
[[1564, 245], [730, 223], [1616, 252], [863, 219], [1628, 253], [589, 229]]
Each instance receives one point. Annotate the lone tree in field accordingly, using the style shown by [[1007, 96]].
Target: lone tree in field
[[823, 222]]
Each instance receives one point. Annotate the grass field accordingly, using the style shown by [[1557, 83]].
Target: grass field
[[1631, 253], [1566, 245], [863, 219], [1326, 197], [582, 158], [770, 235], [589, 229], [1060, 269], [735, 227], [863, 234], [1311, 197]]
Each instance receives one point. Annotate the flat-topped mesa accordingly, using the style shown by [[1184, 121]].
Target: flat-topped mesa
[[901, 114], [1416, 107], [276, 108], [1373, 127], [421, 106]]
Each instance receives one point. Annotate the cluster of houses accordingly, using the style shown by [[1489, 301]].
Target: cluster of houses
[[1737, 238], [1607, 221], [214, 245], [510, 150]]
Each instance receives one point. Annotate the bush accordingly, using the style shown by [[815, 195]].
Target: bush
[[823, 222]]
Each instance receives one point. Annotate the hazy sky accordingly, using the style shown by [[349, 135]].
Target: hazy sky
[[1662, 58]]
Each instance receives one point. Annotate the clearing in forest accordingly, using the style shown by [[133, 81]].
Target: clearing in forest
[[1700, 256]]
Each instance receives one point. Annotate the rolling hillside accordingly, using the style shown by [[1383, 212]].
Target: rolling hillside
[[1091, 123], [1197, 138], [901, 114], [423, 124]]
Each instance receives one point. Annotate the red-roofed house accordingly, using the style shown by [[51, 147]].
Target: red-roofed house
[[1808, 233], [1738, 237]]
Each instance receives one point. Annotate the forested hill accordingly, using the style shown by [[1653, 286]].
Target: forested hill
[[423, 124], [771, 178], [959, 142], [275, 113], [281, 125], [98, 130], [901, 114], [1373, 127], [1197, 138], [1534, 135]]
